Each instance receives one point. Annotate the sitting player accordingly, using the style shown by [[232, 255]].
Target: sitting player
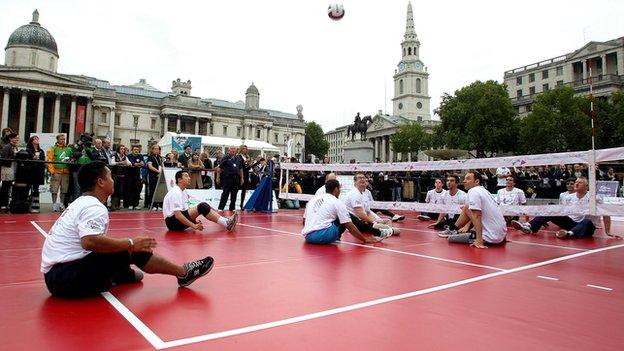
[[179, 216]]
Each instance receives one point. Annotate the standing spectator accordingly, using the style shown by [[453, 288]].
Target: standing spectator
[[246, 164], [133, 179], [195, 165], [186, 156], [7, 173], [231, 173], [108, 152], [501, 175], [37, 171], [217, 162], [154, 168], [207, 165], [175, 156], [396, 187], [60, 154], [119, 175], [610, 175]]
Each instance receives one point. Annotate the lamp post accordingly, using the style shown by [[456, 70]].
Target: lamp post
[[136, 125], [298, 151]]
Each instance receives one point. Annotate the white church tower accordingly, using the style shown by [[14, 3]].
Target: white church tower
[[411, 87]]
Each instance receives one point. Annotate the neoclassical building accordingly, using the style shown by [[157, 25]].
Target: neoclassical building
[[38, 99], [410, 104]]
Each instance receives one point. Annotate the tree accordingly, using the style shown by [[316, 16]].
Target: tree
[[409, 137], [315, 143], [478, 117], [609, 121], [559, 122]]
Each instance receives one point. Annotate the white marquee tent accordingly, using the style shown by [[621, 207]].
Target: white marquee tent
[[214, 142]]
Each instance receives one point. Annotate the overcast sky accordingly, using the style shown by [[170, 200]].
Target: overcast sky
[[296, 55]]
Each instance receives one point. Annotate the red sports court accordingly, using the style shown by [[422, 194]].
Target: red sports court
[[271, 291]]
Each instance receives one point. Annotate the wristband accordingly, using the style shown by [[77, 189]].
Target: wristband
[[131, 242]]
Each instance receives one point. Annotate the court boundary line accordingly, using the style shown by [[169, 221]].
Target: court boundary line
[[546, 245], [386, 249]]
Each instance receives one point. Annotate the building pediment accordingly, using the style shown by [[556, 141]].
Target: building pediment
[[592, 48], [29, 78], [381, 123]]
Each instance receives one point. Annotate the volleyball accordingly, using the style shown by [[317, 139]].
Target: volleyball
[[335, 11]]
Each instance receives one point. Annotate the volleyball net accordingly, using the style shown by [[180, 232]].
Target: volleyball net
[[600, 204]]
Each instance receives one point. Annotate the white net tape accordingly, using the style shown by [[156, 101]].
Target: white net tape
[[603, 206]]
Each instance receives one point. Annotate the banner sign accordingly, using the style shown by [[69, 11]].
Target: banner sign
[[607, 188], [80, 118], [180, 142]]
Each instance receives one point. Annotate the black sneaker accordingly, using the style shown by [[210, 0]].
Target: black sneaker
[[195, 270]]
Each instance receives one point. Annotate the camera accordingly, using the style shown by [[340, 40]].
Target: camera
[[85, 139]]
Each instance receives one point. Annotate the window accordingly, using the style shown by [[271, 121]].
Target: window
[[153, 124], [531, 90], [117, 119], [529, 108], [33, 58], [418, 85], [225, 130], [403, 51], [103, 117], [560, 70], [519, 93], [400, 105], [419, 118], [275, 138], [258, 132], [545, 74], [519, 80], [409, 51], [211, 129], [559, 83], [531, 77], [51, 63], [419, 105], [545, 87], [238, 131], [400, 86]]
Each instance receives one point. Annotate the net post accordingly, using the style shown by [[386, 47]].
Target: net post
[[592, 182]]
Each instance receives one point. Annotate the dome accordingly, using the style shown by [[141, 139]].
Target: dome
[[252, 90], [33, 35]]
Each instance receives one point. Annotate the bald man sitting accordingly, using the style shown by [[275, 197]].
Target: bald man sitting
[[321, 190]]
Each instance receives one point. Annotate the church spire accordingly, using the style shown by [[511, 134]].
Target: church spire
[[410, 33]]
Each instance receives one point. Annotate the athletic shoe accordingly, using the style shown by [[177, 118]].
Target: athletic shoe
[[384, 221], [195, 270], [562, 234], [154, 208], [423, 218], [396, 231], [396, 217], [131, 208], [55, 207], [379, 225], [231, 221], [524, 227], [446, 233], [385, 233]]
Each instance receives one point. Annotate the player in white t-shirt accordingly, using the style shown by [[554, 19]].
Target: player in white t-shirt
[[434, 196], [482, 211], [358, 205], [564, 198], [571, 226], [78, 259], [321, 190], [179, 216], [326, 218], [453, 197], [501, 175], [511, 196]]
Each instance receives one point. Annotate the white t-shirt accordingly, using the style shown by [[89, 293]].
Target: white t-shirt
[[564, 198], [175, 200], [458, 199], [514, 197], [504, 171], [434, 197], [494, 226], [322, 211], [85, 216], [354, 198], [321, 190]]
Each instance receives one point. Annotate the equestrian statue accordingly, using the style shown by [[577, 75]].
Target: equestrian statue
[[360, 125]]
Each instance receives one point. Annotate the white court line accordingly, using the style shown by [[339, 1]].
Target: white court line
[[384, 249], [599, 287], [547, 278], [370, 303], [545, 245], [41, 231]]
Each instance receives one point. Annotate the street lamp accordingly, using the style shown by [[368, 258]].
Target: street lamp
[[298, 150], [136, 125]]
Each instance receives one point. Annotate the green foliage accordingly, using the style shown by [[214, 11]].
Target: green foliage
[[315, 142], [410, 137], [478, 117]]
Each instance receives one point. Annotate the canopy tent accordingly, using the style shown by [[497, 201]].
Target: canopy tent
[[214, 142]]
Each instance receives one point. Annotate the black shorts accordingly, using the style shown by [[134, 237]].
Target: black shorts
[[93, 273], [175, 225]]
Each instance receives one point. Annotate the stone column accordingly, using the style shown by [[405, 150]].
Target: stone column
[[390, 151], [178, 124], [111, 124], [584, 66], [89, 118], [603, 59], [72, 121], [22, 116], [5, 109], [39, 123], [56, 119], [384, 152], [268, 136], [196, 125]]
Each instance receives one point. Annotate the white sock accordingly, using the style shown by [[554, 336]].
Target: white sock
[[223, 221]]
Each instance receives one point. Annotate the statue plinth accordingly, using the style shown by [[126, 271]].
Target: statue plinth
[[358, 151]]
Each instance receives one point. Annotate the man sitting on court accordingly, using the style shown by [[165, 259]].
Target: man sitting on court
[[327, 218], [78, 258], [322, 190], [179, 216], [434, 196], [485, 216], [571, 226], [511, 196], [358, 205], [453, 197]]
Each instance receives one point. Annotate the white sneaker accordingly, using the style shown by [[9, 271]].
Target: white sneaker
[[562, 234], [385, 233], [423, 218], [379, 225], [446, 233], [396, 231], [524, 227], [154, 208], [131, 208], [397, 217], [55, 207]]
